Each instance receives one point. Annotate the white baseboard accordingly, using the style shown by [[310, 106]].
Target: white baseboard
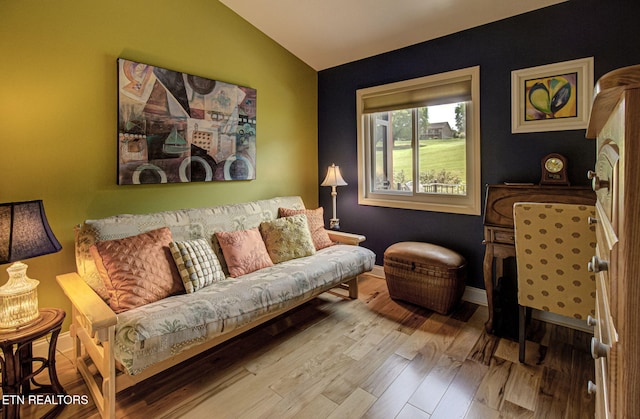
[[64, 345], [479, 296]]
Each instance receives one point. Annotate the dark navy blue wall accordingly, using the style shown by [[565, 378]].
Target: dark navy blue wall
[[609, 31]]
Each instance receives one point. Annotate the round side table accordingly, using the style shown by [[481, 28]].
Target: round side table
[[17, 361]]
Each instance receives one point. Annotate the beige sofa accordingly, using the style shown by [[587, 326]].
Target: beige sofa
[[114, 351]]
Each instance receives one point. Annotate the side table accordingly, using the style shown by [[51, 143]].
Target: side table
[[17, 363]]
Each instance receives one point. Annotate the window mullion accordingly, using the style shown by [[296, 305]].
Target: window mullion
[[415, 144]]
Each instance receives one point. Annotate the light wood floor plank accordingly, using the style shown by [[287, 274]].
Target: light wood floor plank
[[376, 368], [425, 334], [384, 376], [412, 412], [491, 390], [435, 385], [459, 396], [523, 386], [391, 402], [354, 406]]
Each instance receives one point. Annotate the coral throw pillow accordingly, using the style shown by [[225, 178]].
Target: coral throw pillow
[[197, 264], [287, 238], [137, 270], [315, 219], [244, 251]]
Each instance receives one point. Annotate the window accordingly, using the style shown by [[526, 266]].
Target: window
[[419, 143]]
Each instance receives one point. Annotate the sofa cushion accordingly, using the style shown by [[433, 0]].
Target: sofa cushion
[[157, 331], [197, 264], [287, 238], [137, 270], [315, 219], [244, 251]]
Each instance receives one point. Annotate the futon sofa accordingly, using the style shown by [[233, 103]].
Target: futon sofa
[[128, 325]]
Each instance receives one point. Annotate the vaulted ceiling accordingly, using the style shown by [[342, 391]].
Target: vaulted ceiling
[[327, 33]]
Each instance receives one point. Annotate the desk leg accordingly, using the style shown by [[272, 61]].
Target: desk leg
[[487, 268]]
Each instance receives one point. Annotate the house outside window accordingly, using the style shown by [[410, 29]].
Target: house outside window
[[419, 143]]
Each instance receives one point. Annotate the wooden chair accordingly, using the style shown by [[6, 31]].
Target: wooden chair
[[554, 243]]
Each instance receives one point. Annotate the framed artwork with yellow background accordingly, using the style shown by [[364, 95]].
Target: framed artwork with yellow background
[[553, 97]]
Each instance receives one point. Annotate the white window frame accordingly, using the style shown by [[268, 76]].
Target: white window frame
[[457, 204]]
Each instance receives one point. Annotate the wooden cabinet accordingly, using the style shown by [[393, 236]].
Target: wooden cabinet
[[615, 123], [498, 224]]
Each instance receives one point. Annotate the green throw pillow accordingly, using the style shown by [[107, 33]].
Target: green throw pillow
[[287, 238]]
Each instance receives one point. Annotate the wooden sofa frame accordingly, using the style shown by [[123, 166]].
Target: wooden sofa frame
[[93, 326]]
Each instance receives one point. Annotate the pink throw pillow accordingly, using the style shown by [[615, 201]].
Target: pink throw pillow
[[244, 251], [137, 270], [315, 219]]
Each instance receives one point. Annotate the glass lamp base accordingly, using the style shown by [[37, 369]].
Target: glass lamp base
[[18, 299]]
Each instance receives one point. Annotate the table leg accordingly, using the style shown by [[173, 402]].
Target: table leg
[[487, 268], [53, 375], [10, 384]]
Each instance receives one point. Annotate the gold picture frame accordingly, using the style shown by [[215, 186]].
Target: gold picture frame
[[553, 97]]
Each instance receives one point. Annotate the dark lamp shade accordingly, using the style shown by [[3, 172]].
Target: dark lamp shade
[[25, 232]]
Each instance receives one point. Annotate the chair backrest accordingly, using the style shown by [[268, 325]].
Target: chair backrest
[[554, 243]]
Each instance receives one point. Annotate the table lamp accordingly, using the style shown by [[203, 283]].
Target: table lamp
[[24, 234], [333, 179]]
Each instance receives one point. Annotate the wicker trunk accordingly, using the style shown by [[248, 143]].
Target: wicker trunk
[[425, 274]]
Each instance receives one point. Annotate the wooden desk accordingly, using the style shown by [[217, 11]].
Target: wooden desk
[[17, 366], [498, 224]]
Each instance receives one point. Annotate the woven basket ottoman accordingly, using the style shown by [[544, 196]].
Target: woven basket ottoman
[[425, 274]]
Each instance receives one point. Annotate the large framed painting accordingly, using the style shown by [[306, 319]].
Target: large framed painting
[[176, 127], [554, 97]]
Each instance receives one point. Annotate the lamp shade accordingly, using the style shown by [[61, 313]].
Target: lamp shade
[[333, 178], [25, 232]]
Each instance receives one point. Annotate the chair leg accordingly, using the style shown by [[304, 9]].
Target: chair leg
[[522, 334]]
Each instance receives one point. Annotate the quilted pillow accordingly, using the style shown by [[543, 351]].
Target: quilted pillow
[[287, 238], [197, 264], [244, 251], [315, 219], [137, 270]]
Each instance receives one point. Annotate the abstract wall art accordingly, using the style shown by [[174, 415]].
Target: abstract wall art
[[175, 127], [552, 97]]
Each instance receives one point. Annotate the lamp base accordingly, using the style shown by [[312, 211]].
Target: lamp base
[[334, 224], [18, 299]]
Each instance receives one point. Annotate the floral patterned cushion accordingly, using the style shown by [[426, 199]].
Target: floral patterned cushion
[[287, 238], [197, 264], [315, 219], [244, 251], [160, 330], [137, 270]]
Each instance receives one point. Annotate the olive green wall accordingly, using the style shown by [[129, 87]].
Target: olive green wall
[[58, 109]]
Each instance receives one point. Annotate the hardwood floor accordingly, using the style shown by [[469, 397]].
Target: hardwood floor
[[368, 358]]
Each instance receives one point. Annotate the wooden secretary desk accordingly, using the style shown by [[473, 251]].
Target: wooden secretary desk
[[498, 224]]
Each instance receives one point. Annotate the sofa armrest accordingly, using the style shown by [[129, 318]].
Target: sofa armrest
[[345, 238], [87, 302]]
